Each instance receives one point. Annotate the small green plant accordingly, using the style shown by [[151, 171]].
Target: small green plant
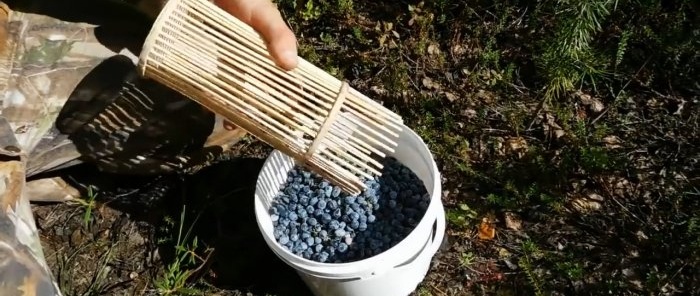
[[461, 216], [66, 272], [311, 11], [175, 279], [568, 57], [88, 205], [530, 252], [573, 270], [467, 259], [345, 6], [423, 291]]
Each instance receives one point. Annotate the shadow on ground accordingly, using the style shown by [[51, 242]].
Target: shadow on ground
[[221, 197]]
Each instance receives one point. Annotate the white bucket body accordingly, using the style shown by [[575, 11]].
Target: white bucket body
[[396, 271]]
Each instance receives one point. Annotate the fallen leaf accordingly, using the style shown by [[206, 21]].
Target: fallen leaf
[[596, 197], [468, 113], [450, 96], [378, 90], [513, 221], [458, 49], [558, 133], [430, 84], [612, 142], [487, 230], [585, 205], [517, 145], [593, 103], [433, 49], [550, 126], [641, 235], [503, 253]]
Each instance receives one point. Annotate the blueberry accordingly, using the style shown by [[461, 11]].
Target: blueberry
[[334, 225], [392, 204], [315, 220], [332, 204], [350, 199], [283, 239], [303, 214], [323, 256], [326, 218], [363, 219], [312, 221], [277, 233], [337, 213], [362, 226]]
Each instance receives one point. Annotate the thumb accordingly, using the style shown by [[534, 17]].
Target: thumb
[[264, 17]]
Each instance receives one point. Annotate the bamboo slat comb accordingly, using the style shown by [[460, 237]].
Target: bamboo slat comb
[[203, 52]]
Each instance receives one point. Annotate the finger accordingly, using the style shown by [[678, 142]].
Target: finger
[[266, 19]]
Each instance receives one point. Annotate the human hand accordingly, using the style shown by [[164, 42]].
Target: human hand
[[264, 17]]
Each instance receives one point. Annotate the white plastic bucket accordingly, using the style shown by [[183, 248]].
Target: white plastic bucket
[[396, 271]]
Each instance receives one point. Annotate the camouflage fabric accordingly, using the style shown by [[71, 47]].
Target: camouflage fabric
[[41, 61], [67, 98]]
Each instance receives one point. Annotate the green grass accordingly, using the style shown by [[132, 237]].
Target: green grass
[[187, 260], [87, 205]]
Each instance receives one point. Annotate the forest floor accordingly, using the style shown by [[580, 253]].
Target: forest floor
[[594, 193]]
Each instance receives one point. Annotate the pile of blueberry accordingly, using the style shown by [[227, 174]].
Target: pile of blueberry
[[315, 220]]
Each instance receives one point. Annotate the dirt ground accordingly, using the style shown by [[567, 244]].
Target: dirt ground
[[593, 193]]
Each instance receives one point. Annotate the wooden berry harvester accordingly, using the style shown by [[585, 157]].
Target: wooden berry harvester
[[203, 52]]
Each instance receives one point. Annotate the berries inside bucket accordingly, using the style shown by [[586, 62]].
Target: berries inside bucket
[[315, 220]]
